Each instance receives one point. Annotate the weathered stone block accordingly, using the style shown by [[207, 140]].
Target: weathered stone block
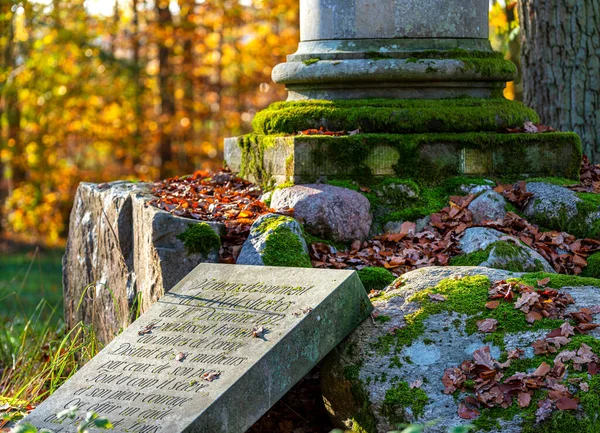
[[214, 353], [309, 159], [121, 251]]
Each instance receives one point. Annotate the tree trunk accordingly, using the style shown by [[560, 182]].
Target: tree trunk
[[166, 89], [561, 66]]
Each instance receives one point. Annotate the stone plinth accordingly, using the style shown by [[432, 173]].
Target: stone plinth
[[422, 157], [393, 49]]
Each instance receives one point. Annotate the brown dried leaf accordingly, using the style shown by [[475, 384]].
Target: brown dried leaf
[[487, 325]]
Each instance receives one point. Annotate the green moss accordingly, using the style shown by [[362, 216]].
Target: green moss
[[552, 180], [311, 61], [375, 278], [364, 420], [593, 267], [393, 116], [383, 319], [560, 280], [466, 296], [283, 247], [200, 239], [399, 398]]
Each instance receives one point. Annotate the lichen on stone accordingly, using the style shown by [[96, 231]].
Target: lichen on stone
[[200, 239]]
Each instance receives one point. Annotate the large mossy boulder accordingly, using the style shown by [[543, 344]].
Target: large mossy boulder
[[122, 254], [408, 363]]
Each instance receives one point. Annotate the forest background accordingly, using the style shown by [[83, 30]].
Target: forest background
[[101, 90]]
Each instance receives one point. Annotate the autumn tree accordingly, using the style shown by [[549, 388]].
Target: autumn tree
[[561, 65]]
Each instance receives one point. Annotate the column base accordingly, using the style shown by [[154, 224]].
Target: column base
[[427, 157]]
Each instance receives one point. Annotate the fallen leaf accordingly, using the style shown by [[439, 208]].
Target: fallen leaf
[[566, 403], [466, 412], [437, 297], [487, 325], [492, 305], [209, 377], [258, 332], [180, 357]]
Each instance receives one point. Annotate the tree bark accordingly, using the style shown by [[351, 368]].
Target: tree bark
[[166, 89], [561, 66]]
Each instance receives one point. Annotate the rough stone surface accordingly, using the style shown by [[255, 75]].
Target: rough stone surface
[[120, 251], [476, 189], [358, 364], [327, 211], [253, 250], [489, 206], [553, 203], [373, 19], [480, 238], [153, 377], [396, 226]]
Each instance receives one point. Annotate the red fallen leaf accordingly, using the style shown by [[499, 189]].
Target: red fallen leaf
[[465, 412], [566, 329], [532, 316], [483, 357], [586, 327], [492, 305], [544, 282], [542, 370], [515, 353], [566, 403], [524, 399], [593, 368], [487, 325], [452, 380], [437, 297], [364, 188]]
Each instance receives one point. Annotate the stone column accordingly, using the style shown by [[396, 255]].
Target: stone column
[[429, 49]]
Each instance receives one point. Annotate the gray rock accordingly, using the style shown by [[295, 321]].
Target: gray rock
[[489, 206], [362, 362], [253, 250], [327, 211], [118, 251], [475, 188], [514, 256], [553, 204], [395, 226]]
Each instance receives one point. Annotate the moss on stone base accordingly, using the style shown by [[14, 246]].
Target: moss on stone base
[[375, 278], [402, 116], [200, 239], [400, 397], [425, 158]]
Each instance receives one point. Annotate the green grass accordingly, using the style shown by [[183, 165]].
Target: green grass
[[28, 276], [37, 352]]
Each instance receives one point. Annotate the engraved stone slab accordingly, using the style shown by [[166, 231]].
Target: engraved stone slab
[[192, 363]]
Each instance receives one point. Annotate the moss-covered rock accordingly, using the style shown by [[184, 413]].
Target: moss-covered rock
[[488, 247], [275, 240], [423, 337], [555, 207]]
